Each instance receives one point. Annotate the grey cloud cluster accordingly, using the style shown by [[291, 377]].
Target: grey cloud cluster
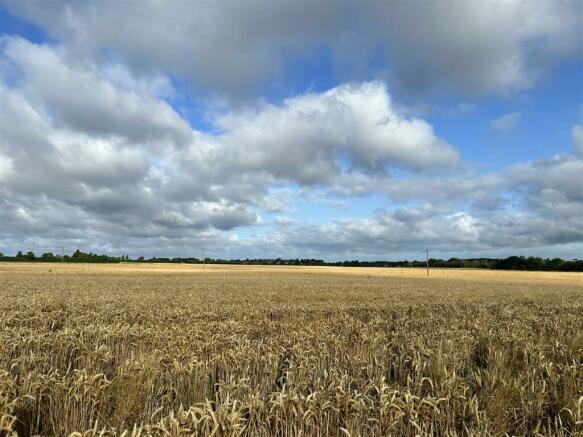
[[408, 232], [478, 47], [552, 190], [533, 207], [470, 47], [82, 97], [71, 136], [92, 155], [74, 136]]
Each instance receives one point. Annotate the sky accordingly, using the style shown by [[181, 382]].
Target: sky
[[337, 130]]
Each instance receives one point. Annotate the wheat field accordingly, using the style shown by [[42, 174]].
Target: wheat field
[[175, 350]]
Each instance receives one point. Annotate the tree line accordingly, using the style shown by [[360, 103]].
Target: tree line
[[510, 263], [76, 256]]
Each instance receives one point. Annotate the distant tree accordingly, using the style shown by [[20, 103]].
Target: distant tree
[[555, 264], [19, 254], [48, 255], [30, 255]]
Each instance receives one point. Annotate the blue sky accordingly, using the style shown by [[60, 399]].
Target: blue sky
[[332, 130]]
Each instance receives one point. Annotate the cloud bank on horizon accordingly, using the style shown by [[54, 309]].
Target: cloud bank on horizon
[[336, 130]]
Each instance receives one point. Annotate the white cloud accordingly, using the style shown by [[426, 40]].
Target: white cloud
[[72, 135], [312, 138], [83, 97], [95, 157], [506, 124], [140, 161], [474, 48]]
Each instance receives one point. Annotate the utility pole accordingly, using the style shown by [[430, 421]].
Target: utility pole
[[427, 261], [203, 267]]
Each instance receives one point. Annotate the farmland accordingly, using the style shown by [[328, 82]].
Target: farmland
[[288, 351]]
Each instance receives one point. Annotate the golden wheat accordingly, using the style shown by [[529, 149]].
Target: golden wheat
[[239, 351]]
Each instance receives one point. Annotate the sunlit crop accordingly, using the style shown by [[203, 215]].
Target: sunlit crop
[[108, 350]]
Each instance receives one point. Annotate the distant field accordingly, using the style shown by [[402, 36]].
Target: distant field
[[139, 268], [165, 349]]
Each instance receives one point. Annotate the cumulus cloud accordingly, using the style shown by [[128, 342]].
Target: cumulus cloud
[[474, 48], [93, 155], [542, 214], [74, 137], [81, 97], [477, 47], [314, 137], [201, 215], [408, 233], [506, 124], [200, 41], [551, 190], [533, 208], [117, 152]]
